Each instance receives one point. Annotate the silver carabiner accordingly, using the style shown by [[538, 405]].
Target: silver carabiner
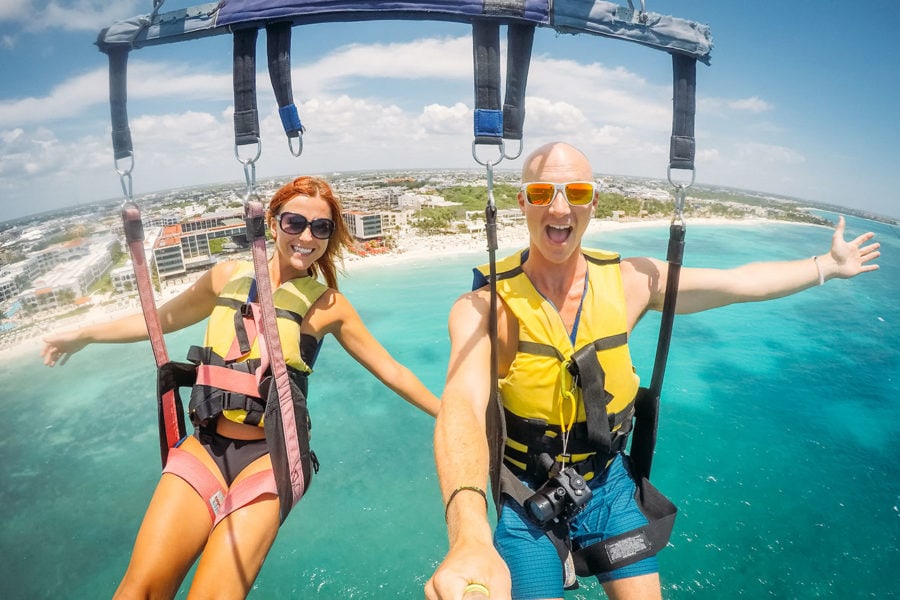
[[490, 185], [249, 169], [680, 193], [125, 177]]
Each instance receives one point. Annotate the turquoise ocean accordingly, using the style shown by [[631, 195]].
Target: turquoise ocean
[[777, 441]]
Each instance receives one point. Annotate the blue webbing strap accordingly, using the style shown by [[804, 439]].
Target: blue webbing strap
[[278, 44], [486, 55], [246, 118]]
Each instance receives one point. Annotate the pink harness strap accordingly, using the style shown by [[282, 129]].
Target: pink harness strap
[[219, 501], [228, 379]]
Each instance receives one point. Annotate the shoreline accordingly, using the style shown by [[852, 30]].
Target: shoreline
[[411, 247]]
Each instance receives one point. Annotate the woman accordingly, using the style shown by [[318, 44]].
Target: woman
[[309, 236]]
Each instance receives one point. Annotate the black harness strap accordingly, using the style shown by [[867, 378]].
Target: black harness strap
[[278, 44], [631, 546], [486, 57], [519, 43], [681, 156], [246, 117], [682, 144], [118, 101], [496, 121]]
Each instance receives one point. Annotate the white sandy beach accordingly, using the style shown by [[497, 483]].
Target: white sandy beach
[[411, 246]]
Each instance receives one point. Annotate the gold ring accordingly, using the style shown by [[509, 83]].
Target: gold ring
[[478, 588]]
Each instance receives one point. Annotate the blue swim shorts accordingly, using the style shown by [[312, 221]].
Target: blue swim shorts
[[532, 558]]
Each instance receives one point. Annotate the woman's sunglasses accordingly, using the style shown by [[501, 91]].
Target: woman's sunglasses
[[542, 193], [294, 224]]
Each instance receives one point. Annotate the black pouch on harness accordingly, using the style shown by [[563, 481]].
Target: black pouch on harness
[[293, 464], [634, 545]]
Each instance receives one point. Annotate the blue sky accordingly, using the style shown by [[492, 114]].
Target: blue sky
[[801, 99]]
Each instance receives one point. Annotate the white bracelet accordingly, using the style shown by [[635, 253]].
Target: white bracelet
[[819, 270]]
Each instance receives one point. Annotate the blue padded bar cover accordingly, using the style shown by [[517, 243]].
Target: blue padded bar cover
[[681, 148], [246, 118], [244, 11]]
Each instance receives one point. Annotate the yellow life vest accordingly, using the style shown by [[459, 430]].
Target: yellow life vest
[[541, 398], [228, 343]]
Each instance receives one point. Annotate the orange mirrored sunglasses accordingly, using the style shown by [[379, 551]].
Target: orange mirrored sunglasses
[[542, 193]]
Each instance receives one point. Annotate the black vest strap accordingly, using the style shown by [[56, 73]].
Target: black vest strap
[[592, 378]]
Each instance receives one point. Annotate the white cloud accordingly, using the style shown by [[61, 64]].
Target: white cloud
[[68, 99], [759, 154], [729, 106], [430, 58], [369, 106], [753, 105], [14, 10], [437, 119], [80, 15]]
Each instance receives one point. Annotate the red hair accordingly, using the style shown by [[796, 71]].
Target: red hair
[[314, 187]]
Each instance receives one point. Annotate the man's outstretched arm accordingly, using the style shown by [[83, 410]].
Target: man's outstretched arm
[[461, 455], [702, 289]]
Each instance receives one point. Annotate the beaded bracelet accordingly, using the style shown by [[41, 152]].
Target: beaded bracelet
[[464, 488]]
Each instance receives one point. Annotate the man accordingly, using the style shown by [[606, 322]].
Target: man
[[547, 298]]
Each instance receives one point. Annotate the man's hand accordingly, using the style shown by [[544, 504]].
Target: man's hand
[[851, 258], [468, 570]]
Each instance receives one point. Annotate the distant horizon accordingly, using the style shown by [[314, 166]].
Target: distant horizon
[[820, 205]]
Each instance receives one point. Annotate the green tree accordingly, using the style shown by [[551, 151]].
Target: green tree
[[475, 197], [216, 245], [117, 254], [65, 296], [434, 220]]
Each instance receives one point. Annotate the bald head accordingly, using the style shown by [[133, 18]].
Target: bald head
[[557, 161]]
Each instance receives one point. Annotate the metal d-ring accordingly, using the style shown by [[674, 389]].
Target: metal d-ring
[[484, 162], [517, 154], [299, 150]]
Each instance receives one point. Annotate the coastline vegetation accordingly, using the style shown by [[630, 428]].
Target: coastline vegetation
[[613, 205]]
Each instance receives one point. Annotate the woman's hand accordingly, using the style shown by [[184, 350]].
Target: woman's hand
[[60, 346]]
